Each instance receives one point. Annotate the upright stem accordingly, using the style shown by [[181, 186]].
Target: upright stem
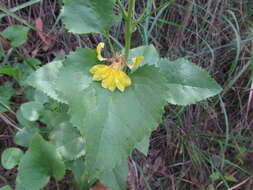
[[129, 22]]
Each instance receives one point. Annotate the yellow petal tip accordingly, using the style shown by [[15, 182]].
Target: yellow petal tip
[[137, 61]]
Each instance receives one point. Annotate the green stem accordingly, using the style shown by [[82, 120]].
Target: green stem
[[123, 10], [129, 22], [110, 43]]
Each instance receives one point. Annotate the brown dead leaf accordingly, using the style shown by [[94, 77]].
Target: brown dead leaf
[[5, 44], [99, 186]]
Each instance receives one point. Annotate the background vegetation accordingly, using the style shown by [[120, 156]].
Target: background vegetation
[[203, 146]]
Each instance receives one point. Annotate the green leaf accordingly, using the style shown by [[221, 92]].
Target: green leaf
[[68, 141], [89, 16], [54, 118], [77, 167], [39, 96], [11, 71], [25, 135], [31, 110], [117, 177], [39, 163], [112, 123], [26, 68], [7, 187], [6, 92], [187, 83], [151, 56], [215, 176], [230, 178], [17, 34], [11, 157], [24, 122], [44, 80]]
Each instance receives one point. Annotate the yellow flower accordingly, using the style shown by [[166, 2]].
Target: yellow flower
[[112, 76]]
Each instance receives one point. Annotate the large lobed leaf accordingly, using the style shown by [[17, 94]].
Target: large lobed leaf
[[89, 16], [187, 83], [112, 122]]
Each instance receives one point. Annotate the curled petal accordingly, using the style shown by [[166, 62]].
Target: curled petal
[[100, 46]]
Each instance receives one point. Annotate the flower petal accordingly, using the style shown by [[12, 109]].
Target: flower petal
[[102, 73], [125, 79], [109, 81], [98, 67]]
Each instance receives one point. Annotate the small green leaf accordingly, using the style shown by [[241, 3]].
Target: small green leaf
[[54, 118], [31, 110], [24, 122], [78, 169], [25, 135], [39, 96], [89, 16], [111, 123], [17, 34], [68, 141], [11, 157], [187, 83], [44, 80], [39, 163], [26, 68], [230, 178], [215, 176], [11, 71], [6, 92]]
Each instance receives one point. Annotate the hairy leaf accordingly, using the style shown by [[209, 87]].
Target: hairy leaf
[[44, 80], [187, 83], [111, 122], [68, 141], [89, 16]]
